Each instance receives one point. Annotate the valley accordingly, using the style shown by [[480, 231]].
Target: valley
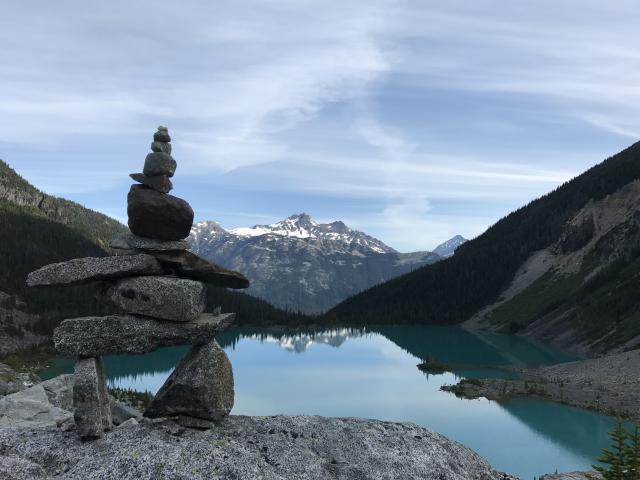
[[569, 285], [363, 240], [300, 265]]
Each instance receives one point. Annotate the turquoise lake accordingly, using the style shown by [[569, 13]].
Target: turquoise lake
[[372, 373]]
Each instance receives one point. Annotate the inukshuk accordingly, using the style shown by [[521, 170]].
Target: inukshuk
[[159, 288]]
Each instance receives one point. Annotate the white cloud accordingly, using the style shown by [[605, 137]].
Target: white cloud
[[582, 55], [226, 76], [251, 89]]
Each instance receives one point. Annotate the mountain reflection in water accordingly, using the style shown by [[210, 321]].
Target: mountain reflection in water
[[371, 372]]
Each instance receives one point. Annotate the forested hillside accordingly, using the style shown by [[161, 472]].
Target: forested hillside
[[93, 225], [254, 311], [453, 290], [29, 240], [37, 229]]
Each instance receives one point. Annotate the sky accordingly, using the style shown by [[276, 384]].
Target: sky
[[413, 121]]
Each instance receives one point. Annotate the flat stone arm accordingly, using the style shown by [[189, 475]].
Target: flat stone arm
[[133, 335]]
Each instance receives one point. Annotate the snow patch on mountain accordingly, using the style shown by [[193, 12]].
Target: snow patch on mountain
[[302, 265], [303, 226]]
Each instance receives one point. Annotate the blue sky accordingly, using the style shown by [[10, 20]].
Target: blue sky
[[410, 120]]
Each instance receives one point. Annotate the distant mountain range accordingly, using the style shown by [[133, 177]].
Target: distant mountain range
[[302, 265], [564, 269]]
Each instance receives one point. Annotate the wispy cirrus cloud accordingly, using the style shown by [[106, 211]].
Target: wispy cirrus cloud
[[392, 111]]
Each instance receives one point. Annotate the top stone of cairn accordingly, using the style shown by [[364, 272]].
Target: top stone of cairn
[[161, 141], [162, 135], [160, 162]]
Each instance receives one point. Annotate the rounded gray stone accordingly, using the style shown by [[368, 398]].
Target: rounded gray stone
[[157, 215], [166, 298], [159, 163], [31, 408], [162, 135], [160, 183], [164, 147], [201, 386]]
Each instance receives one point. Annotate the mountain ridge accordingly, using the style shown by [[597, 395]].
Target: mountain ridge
[[301, 225], [301, 265], [95, 225], [453, 290], [449, 247]]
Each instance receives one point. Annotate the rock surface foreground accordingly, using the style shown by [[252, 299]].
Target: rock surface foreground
[[268, 448]]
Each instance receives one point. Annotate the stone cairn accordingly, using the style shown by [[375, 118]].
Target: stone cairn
[[158, 286]]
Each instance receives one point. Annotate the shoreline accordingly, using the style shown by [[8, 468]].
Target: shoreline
[[608, 385]]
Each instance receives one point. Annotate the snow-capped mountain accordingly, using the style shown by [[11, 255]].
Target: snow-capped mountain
[[303, 226], [301, 265], [449, 247]]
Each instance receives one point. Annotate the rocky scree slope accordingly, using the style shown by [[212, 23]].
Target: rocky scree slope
[[301, 265], [571, 258], [581, 292]]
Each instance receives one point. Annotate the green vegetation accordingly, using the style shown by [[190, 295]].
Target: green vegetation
[[254, 311], [38, 229], [433, 366], [622, 461], [93, 225], [600, 304], [541, 297], [29, 240], [138, 400], [29, 360], [451, 291], [460, 389]]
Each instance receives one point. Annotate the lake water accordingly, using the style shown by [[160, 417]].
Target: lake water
[[372, 373]]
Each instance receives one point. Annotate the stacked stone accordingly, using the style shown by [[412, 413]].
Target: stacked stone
[[158, 286]]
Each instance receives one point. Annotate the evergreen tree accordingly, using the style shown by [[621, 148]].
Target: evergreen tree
[[615, 460], [632, 454]]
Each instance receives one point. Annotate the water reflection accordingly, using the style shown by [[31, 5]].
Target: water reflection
[[372, 373], [291, 341]]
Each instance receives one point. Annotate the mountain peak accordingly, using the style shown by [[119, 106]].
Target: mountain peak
[[302, 226], [301, 221], [449, 247], [305, 217]]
